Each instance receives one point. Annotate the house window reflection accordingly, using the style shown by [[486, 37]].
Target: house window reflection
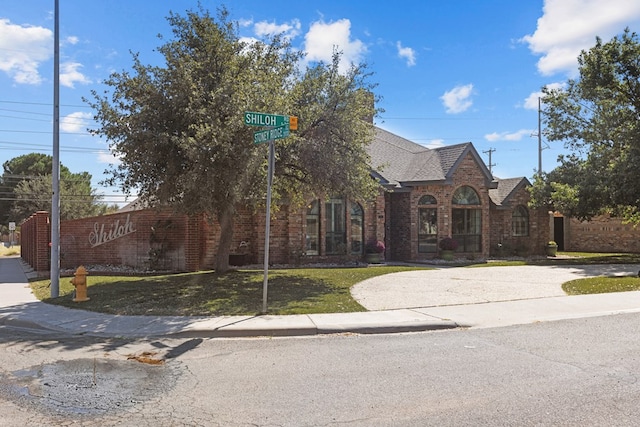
[[427, 225]]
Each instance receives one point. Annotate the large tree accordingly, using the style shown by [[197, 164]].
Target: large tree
[[77, 198], [26, 188], [179, 131], [597, 115]]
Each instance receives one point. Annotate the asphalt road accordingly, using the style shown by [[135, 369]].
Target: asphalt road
[[571, 372]]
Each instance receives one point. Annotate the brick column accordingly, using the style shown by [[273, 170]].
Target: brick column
[[192, 243]]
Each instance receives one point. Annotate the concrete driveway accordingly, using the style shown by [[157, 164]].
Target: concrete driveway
[[456, 286]]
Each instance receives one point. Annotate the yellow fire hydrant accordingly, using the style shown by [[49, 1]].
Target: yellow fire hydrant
[[80, 282]]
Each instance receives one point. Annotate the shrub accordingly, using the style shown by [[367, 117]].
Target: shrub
[[375, 247], [448, 244]]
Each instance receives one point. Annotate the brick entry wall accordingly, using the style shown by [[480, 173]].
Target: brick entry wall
[[601, 234], [142, 239], [34, 249], [163, 240]]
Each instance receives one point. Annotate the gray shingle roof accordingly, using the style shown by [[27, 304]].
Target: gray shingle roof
[[505, 189], [402, 162]]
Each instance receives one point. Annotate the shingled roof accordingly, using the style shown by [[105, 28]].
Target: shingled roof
[[505, 189], [399, 162]]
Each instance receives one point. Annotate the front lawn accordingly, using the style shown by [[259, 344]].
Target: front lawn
[[567, 258], [601, 285], [290, 291]]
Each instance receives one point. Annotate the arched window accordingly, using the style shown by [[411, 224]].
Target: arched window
[[313, 229], [427, 200], [427, 224], [356, 214], [465, 195], [467, 220], [520, 221]]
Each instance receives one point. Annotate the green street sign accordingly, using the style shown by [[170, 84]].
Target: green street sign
[[270, 134], [266, 120]]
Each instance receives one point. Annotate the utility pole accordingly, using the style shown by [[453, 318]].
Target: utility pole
[[539, 140], [490, 165], [55, 172]]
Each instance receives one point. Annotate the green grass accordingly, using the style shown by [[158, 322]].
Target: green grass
[[601, 285], [5, 251], [592, 285], [568, 258], [291, 291]]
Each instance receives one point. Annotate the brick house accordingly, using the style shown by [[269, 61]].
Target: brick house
[[449, 192], [426, 195]]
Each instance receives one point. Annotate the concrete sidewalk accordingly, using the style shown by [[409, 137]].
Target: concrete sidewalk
[[19, 308]]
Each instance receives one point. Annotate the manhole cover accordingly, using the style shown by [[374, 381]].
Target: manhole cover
[[87, 386]]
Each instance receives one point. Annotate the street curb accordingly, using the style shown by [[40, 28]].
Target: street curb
[[16, 322], [310, 331], [232, 331]]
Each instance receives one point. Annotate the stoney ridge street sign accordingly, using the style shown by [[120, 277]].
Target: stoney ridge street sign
[[270, 134]]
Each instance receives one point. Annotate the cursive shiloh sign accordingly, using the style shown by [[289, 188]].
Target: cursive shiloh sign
[[114, 231]]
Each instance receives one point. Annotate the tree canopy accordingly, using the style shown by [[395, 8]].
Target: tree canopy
[[178, 128], [26, 188], [597, 116]]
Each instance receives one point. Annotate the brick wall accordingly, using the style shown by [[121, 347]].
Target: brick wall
[[141, 239], [36, 236], [164, 240], [503, 243], [601, 234]]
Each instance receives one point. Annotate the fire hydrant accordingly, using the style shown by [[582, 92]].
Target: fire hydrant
[[80, 282]]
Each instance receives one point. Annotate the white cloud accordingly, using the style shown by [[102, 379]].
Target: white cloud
[[249, 40], [289, 30], [75, 122], [407, 53], [435, 143], [458, 99], [509, 136], [70, 74], [22, 50], [72, 40], [324, 38], [531, 102], [108, 157], [569, 26]]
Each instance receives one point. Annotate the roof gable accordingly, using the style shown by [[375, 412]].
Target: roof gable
[[398, 162], [506, 188]]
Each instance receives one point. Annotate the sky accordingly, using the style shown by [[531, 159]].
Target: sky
[[448, 72]]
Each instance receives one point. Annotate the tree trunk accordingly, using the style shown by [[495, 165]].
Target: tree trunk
[[225, 219]]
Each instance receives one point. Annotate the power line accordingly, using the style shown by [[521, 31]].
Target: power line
[[443, 118], [43, 132], [44, 104], [68, 148]]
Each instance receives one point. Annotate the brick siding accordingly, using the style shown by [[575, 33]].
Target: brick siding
[[601, 234]]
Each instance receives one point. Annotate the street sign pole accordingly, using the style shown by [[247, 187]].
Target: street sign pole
[[278, 126], [265, 283]]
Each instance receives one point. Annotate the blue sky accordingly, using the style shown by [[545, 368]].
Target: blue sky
[[448, 71]]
